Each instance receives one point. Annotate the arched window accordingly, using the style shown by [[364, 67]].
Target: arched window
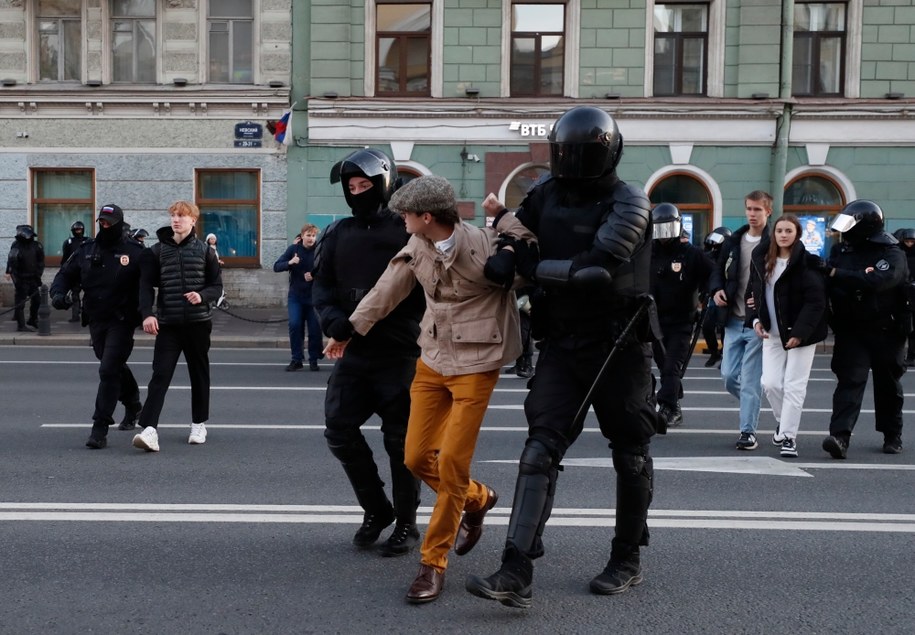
[[521, 182], [692, 197], [815, 199]]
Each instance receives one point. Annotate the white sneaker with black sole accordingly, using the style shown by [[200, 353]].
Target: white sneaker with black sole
[[198, 434], [147, 440]]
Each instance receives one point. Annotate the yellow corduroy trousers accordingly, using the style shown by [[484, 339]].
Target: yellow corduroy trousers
[[445, 418]]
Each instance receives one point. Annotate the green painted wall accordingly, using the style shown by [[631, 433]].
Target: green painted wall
[[888, 48]]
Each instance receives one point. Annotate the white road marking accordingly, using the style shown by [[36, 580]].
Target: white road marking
[[561, 517]]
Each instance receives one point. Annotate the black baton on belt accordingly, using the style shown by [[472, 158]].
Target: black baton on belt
[[647, 301]]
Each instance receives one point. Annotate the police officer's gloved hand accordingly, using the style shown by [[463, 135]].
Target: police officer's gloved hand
[[527, 256], [60, 301], [500, 268], [341, 330], [558, 273]]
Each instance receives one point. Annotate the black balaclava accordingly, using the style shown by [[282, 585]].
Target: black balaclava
[[365, 205], [108, 236]]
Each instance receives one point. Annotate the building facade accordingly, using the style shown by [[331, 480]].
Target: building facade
[[141, 103], [811, 101]]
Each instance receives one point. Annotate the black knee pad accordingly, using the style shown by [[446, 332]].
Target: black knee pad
[[632, 464], [536, 458]]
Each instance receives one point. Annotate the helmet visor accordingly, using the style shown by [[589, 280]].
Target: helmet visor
[[666, 230], [714, 239], [578, 160], [843, 222]]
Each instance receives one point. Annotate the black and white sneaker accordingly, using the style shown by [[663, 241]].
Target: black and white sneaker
[[789, 448], [747, 441], [778, 439]]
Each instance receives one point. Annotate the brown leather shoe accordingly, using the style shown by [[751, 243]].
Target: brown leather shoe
[[427, 586], [472, 525]]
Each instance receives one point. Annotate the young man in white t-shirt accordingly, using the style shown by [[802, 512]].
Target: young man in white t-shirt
[[741, 364]]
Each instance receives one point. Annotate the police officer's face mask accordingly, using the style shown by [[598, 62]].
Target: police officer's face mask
[[365, 203]]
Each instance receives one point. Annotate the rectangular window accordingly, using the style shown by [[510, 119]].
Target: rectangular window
[[60, 197], [680, 49], [537, 49], [403, 37], [59, 40], [230, 26], [819, 49], [229, 202], [133, 41]]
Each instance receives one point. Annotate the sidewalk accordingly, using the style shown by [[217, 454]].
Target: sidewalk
[[254, 331]]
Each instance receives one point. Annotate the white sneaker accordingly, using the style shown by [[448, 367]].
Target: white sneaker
[[198, 434], [147, 440]]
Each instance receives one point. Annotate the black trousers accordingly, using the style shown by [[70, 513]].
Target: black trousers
[[623, 401], [112, 343], [192, 339], [676, 348], [26, 290], [857, 351]]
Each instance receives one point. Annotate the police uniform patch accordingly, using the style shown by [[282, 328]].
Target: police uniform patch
[[882, 265], [676, 266], [125, 260]]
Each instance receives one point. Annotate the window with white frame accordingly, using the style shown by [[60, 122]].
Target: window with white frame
[[133, 41], [230, 31], [819, 49], [59, 40], [680, 49], [403, 48], [685, 47], [537, 49]]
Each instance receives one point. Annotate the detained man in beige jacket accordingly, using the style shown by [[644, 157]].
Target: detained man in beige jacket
[[469, 331]]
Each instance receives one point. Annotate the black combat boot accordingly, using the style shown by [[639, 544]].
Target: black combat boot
[[837, 445], [510, 585], [405, 492], [131, 416], [98, 437], [621, 572]]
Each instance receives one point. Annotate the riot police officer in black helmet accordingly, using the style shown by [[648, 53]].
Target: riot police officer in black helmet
[[374, 376], [71, 244], [867, 277], [595, 243], [715, 317], [678, 272], [24, 267]]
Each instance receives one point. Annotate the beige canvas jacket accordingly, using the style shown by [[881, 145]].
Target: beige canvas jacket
[[471, 324]]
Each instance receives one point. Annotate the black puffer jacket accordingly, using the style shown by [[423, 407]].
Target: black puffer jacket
[[177, 269], [800, 296]]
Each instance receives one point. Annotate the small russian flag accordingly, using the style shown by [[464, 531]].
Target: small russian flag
[[282, 129]]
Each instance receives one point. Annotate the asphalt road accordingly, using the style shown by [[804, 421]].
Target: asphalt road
[[251, 532]]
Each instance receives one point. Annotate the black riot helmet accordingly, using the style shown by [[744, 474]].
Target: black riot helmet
[[858, 220], [585, 143], [78, 229], [717, 237], [906, 233], [372, 164], [139, 235], [25, 232], [667, 222]]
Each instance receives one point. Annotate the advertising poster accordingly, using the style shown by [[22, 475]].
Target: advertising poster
[[813, 234]]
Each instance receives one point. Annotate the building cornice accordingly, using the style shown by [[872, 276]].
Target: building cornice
[[130, 102]]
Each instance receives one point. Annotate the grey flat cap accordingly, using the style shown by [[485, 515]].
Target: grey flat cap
[[425, 194]]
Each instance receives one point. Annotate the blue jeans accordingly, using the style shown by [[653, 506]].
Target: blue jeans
[[741, 369], [300, 314]]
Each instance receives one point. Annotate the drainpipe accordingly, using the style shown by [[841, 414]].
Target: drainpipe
[[783, 121]]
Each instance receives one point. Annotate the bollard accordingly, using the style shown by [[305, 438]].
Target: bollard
[[44, 313]]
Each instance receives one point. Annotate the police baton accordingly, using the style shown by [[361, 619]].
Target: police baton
[[647, 301], [697, 328]]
